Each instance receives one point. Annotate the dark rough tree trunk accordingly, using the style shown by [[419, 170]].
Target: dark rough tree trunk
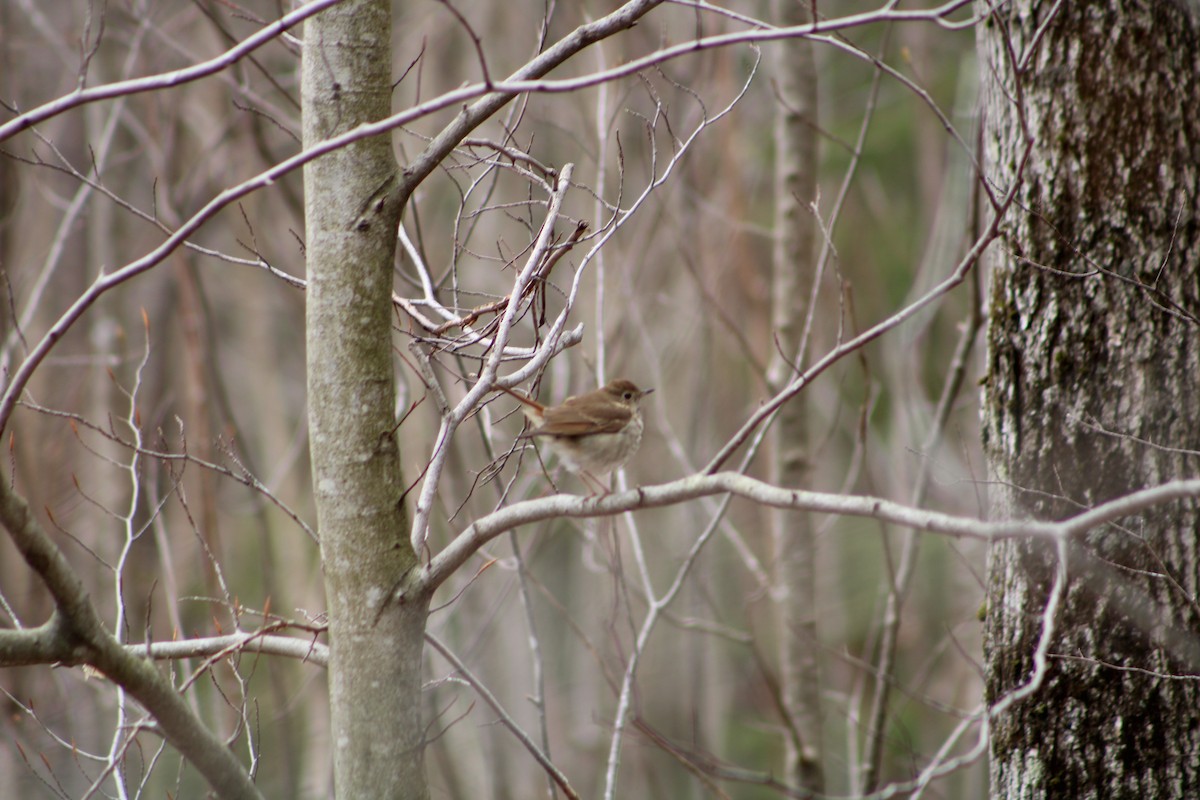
[[1093, 390]]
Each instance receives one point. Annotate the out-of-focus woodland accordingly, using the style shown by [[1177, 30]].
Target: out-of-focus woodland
[[163, 441]]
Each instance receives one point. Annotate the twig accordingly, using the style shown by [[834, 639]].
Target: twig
[[505, 719]]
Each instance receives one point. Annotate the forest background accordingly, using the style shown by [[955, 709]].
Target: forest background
[[161, 438]]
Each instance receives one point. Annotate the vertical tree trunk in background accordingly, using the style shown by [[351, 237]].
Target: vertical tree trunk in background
[[374, 674], [1093, 390], [792, 270]]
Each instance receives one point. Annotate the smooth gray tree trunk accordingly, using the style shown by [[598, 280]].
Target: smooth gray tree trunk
[[1093, 390], [374, 672]]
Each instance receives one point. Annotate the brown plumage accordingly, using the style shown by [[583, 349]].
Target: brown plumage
[[593, 433]]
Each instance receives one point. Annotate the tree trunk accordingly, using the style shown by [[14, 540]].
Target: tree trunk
[[374, 673], [1092, 392], [792, 273]]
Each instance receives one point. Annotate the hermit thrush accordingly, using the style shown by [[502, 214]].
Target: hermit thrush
[[591, 433]]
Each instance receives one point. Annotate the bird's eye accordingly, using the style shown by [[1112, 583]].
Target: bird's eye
[[629, 395]]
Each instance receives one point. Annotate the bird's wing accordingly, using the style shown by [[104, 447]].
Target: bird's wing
[[569, 420]]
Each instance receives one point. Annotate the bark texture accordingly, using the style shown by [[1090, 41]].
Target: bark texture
[[1093, 390], [374, 674]]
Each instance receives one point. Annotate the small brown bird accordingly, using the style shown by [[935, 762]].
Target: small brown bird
[[592, 433]]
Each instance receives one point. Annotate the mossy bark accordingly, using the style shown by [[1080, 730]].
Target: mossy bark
[[1093, 390]]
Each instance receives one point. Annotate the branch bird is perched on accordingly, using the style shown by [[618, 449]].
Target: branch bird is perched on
[[593, 433]]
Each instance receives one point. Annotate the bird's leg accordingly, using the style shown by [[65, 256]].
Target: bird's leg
[[585, 476]]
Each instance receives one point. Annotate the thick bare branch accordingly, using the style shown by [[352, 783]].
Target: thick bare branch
[[488, 527], [77, 630]]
